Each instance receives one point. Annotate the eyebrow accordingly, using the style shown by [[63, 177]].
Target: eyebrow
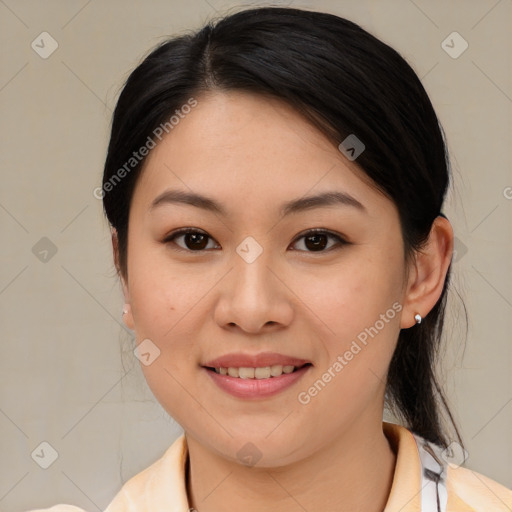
[[325, 199]]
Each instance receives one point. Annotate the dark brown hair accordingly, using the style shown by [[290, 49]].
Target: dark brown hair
[[345, 81]]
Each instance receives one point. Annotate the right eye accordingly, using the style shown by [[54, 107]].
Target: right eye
[[193, 240]]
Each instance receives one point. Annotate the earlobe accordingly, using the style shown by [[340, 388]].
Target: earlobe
[[127, 313], [128, 317], [428, 273]]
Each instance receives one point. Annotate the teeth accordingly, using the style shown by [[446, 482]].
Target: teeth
[[233, 372], [256, 373]]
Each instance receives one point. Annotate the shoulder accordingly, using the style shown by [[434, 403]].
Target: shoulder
[[458, 489], [160, 486], [132, 495], [469, 488], [59, 508]]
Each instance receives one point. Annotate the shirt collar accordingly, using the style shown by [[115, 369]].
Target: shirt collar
[[405, 494]]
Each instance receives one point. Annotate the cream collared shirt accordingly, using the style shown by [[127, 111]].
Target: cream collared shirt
[[422, 482]]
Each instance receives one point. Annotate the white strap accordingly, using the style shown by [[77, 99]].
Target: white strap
[[434, 495]]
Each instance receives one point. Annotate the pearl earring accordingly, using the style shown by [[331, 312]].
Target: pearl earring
[[125, 310], [417, 317]]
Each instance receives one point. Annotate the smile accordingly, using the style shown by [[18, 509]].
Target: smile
[[254, 383]]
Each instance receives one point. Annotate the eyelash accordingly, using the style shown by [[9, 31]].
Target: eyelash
[[184, 231]]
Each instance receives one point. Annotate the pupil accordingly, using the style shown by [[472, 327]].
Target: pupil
[[197, 240], [319, 242]]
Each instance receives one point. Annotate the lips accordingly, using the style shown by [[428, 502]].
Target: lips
[[240, 360], [256, 389]]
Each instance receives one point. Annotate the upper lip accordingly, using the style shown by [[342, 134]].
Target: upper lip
[[240, 360]]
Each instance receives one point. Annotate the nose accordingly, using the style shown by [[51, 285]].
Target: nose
[[253, 297]]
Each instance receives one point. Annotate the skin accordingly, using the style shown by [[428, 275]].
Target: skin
[[251, 155]]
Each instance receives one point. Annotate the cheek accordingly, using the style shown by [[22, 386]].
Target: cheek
[[358, 308], [163, 308], [161, 292], [350, 296]]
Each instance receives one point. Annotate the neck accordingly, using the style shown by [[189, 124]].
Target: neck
[[353, 473]]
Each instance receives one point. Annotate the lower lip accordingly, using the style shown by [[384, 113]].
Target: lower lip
[[256, 388]]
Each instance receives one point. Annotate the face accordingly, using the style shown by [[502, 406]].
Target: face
[[253, 278]]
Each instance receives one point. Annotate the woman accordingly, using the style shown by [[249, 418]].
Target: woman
[[275, 185]]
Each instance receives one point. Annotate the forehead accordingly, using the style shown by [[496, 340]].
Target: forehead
[[238, 145]]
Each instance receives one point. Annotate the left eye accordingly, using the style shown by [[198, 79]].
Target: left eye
[[317, 240]]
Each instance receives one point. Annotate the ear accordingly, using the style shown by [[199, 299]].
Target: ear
[[128, 316], [427, 272]]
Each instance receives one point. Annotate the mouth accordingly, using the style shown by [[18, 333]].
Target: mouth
[[264, 372], [256, 383]]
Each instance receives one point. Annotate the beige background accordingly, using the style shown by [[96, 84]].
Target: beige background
[[62, 379]]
